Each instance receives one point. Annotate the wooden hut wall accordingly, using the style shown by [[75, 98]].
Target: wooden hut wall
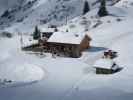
[[70, 50], [85, 43]]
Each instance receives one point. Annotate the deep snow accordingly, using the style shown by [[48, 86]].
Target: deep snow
[[75, 79]]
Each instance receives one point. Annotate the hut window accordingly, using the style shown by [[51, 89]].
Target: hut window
[[43, 35], [70, 48]]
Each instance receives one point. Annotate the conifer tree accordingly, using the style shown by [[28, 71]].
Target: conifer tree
[[103, 11], [86, 7], [36, 34]]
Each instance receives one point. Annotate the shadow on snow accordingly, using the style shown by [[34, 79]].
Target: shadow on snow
[[96, 49]]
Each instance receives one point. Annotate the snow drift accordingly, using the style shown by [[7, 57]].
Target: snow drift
[[14, 73]]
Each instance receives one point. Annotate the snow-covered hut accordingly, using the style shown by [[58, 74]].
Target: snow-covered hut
[[105, 66], [71, 44]]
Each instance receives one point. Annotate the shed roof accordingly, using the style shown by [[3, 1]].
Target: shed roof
[[104, 63], [67, 37]]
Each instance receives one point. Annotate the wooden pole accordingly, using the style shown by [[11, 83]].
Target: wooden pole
[[21, 40]]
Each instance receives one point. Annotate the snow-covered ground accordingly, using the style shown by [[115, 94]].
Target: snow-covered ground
[[69, 78], [14, 68]]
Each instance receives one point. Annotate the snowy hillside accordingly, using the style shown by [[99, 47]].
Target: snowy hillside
[[35, 76], [29, 13]]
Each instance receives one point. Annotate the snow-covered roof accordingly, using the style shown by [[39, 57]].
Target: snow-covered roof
[[67, 37], [47, 29], [104, 63]]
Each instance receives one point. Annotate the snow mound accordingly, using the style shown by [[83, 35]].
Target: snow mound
[[4, 56], [20, 73]]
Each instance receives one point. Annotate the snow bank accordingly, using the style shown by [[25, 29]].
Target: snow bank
[[4, 55], [124, 47], [20, 73]]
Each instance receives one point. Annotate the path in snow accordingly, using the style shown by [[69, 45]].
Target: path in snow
[[92, 86]]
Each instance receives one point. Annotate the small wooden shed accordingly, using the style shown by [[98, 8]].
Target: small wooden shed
[[105, 66], [69, 44]]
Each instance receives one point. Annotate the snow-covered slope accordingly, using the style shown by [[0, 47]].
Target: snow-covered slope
[[15, 69], [28, 13]]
